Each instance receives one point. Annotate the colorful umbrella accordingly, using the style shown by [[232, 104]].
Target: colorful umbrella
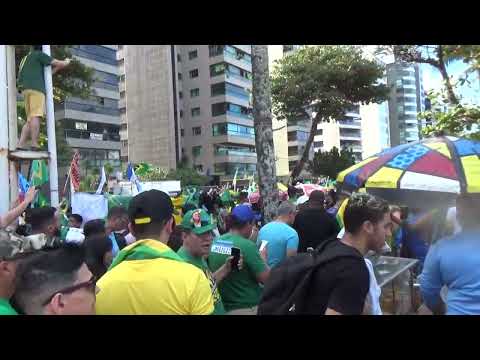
[[419, 174]]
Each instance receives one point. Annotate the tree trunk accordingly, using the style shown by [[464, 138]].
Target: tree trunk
[[306, 151], [452, 98], [262, 120]]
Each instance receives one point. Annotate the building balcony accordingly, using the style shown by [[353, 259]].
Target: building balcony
[[350, 137], [121, 85], [84, 134], [242, 63], [122, 103], [234, 139], [245, 48], [349, 124], [236, 157]]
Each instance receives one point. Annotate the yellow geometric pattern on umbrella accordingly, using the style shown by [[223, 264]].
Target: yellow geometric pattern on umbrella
[[442, 148], [341, 176], [471, 167], [384, 178]]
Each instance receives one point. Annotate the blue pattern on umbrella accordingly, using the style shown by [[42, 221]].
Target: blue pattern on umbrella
[[408, 157]]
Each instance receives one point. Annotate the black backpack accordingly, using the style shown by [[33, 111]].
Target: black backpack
[[286, 289]]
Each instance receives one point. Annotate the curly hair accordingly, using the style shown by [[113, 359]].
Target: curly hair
[[363, 207]]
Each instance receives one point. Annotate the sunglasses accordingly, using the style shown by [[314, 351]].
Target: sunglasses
[[90, 285]]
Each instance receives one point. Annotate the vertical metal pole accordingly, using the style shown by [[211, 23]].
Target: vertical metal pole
[[52, 143], [4, 178], [12, 120]]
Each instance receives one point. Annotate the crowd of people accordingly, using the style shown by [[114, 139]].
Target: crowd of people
[[222, 258]]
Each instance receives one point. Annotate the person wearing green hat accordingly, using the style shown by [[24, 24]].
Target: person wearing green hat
[[197, 235]]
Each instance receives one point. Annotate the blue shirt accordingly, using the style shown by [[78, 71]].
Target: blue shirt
[[454, 262], [281, 238]]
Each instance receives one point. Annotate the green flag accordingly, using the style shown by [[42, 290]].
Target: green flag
[[40, 201], [39, 173]]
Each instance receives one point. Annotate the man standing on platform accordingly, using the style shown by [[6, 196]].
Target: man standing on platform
[[31, 82]]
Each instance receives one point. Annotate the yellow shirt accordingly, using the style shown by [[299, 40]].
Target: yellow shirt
[[154, 287]]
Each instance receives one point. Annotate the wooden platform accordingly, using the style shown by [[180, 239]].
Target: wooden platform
[[18, 155]]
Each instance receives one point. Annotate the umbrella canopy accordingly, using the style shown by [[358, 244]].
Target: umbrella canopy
[[422, 174]]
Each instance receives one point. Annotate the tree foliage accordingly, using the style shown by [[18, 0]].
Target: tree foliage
[[330, 163], [324, 81]]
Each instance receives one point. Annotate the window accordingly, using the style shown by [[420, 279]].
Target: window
[[182, 132], [318, 144], [192, 54], [302, 135], [195, 112], [193, 73], [292, 136], [232, 109], [179, 58], [180, 95], [198, 168], [194, 92], [292, 150], [179, 76], [233, 129], [183, 150], [196, 151], [197, 130], [215, 50], [287, 48], [217, 69], [229, 89], [217, 89], [319, 132], [181, 113]]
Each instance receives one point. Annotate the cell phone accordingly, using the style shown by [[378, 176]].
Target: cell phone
[[236, 258], [262, 245]]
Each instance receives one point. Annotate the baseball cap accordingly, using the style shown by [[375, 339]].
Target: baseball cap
[[12, 245], [243, 213], [150, 206], [198, 221]]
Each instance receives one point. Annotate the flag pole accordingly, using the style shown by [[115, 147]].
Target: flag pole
[[52, 144]]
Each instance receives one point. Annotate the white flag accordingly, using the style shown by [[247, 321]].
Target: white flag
[[103, 180]]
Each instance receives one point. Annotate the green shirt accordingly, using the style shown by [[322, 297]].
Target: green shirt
[[200, 263], [240, 289], [31, 76], [6, 308]]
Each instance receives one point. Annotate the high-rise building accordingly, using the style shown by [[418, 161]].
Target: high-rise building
[[375, 128], [152, 107], [92, 125], [407, 99], [344, 133], [191, 102], [122, 104]]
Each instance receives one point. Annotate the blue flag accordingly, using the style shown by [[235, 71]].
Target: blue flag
[[133, 178], [23, 184]]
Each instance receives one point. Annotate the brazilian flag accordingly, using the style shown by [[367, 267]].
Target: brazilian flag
[[39, 173]]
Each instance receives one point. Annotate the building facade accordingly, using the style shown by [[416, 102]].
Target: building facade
[[92, 125], [407, 99], [190, 103], [151, 105], [122, 104], [344, 133]]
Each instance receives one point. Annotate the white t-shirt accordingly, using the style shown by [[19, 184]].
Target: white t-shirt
[[373, 297], [452, 219]]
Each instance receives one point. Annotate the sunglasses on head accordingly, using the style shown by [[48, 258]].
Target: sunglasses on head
[[90, 284]]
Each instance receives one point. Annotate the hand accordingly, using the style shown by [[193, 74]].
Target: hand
[[30, 195], [228, 264]]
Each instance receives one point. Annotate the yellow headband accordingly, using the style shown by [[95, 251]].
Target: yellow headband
[[141, 221]]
